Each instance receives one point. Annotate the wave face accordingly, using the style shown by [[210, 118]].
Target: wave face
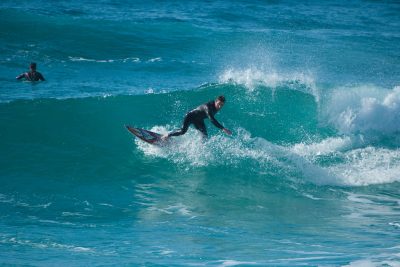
[[310, 175]]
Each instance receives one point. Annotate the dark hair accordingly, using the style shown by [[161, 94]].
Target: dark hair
[[221, 98], [33, 65]]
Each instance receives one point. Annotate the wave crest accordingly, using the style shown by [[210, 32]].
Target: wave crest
[[253, 78]]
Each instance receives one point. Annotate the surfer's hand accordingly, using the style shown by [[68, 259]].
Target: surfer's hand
[[164, 137], [227, 131]]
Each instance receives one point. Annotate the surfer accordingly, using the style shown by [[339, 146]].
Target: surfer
[[197, 116], [32, 75]]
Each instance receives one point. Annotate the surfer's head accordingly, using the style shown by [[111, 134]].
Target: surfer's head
[[32, 66], [219, 102]]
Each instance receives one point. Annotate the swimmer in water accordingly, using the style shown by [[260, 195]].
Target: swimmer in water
[[32, 75]]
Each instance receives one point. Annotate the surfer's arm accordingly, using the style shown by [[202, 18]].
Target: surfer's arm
[[216, 123], [213, 120], [21, 76], [219, 125]]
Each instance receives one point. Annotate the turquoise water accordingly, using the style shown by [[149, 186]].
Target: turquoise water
[[310, 176]]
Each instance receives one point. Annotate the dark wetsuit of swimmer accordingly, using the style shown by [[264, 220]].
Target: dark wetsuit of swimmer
[[196, 117], [32, 76]]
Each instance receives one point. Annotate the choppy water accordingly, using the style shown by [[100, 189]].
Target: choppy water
[[310, 176]]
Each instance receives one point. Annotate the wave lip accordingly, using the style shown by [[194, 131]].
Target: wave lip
[[252, 78]]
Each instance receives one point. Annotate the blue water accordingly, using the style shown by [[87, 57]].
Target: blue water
[[310, 176]]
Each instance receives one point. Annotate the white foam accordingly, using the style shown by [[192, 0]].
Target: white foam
[[167, 252], [125, 60], [190, 149], [13, 201], [325, 147], [362, 263], [311, 196], [178, 209], [372, 263], [181, 209], [252, 78], [45, 245], [395, 224], [225, 263], [366, 166], [354, 166], [157, 59], [366, 110], [367, 208], [74, 214], [350, 166], [91, 60]]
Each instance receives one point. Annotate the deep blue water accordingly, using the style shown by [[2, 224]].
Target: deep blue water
[[310, 176]]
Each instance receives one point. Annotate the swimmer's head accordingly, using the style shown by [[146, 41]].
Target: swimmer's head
[[32, 66]]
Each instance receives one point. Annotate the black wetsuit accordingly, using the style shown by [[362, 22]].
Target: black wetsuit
[[196, 117], [31, 76]]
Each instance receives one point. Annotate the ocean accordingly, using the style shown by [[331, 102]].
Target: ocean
[[309, 177]]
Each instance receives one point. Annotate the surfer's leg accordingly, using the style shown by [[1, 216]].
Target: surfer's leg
[[199, 125], [183, 130]]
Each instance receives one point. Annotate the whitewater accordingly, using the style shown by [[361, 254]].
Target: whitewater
[[310, 176]]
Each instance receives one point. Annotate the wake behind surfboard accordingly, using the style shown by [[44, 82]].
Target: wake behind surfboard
[[145, 135]]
